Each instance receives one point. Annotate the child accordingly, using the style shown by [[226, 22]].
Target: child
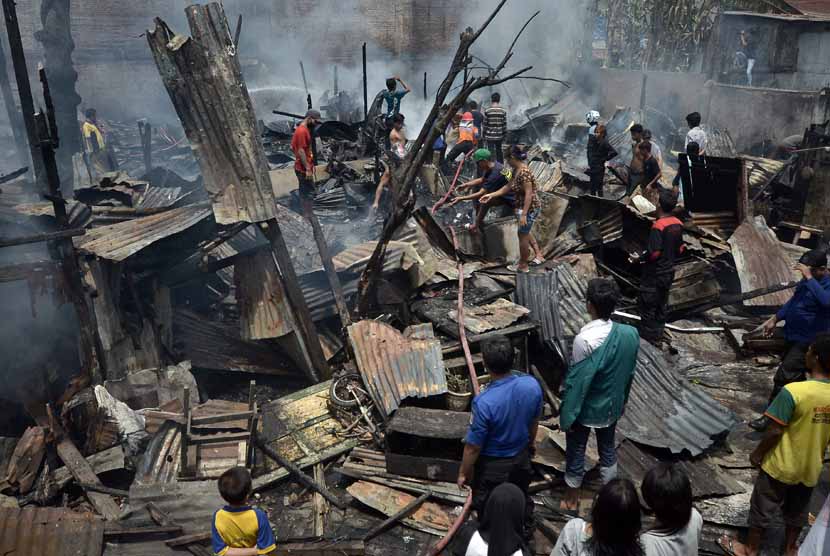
[[667, 491], [238, 529]]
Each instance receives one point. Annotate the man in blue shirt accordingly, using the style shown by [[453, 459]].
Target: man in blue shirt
[[805, 315], [393, 97], [503, 428]]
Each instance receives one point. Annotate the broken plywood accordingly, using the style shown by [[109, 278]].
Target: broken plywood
[[760, 262], [300, 427], [429, 518]]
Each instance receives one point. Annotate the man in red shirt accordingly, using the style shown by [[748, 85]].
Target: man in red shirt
[[665, 244], [304, 156]]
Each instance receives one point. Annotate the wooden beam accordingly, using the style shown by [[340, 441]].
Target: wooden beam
[[139, 533], [104, 490], [323, 548], [83, 473], [37, 238], [217, 438], [328, 266], [407, 511], [220, 418]]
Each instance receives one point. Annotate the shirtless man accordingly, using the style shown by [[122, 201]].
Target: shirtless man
[[397, 139], [635, 169]]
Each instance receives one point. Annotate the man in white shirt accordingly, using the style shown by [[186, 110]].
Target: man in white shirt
[[696, 133]]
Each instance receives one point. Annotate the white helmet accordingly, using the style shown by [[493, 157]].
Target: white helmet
[[592, 117]]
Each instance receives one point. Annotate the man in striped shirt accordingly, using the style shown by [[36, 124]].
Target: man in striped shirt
[[495, 127]]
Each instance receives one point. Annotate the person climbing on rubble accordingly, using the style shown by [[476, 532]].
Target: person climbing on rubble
[[393, 96], [238, 529], [467, 141], [492, 177], [301, 146], [502, 433], [397, 141], [635, 169], [592, 118], [665, 245], [600, 152], [805, 315], [523, 188], [97, 156], [596, 388], [790, 455]]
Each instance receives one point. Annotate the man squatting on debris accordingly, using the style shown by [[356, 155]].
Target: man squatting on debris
[[301, 143], [502, 432], [238, 529], [791, 454], [805, 315]]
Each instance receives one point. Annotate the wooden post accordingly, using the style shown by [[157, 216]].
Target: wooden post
[[252, 423], [145, 132], [308, 331], [365, 87], [185, 433], [238, 31], [305, 81], [425, 85], [11, 109], [328, 266], [335, 80], [24, 91], [91, 350]]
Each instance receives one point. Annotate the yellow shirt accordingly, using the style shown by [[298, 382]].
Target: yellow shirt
[[803, 408], [92, 135], [242, 527]]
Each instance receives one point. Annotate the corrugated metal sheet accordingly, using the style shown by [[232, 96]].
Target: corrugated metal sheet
[[548, 176], [190, 503], [663, 410], [666, 411], [707, 480], [399, 256], [120, 241], [52, 531], [819, 16], [556, 300], [395, 366], [218, 346], [761, 171], [264, 311], [760, 262], [160, 197], [495, 316]]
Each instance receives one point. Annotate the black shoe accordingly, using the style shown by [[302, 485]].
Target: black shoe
[[760, 424]]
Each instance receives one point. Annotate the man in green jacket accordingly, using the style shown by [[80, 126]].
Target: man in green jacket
[[596, 387]]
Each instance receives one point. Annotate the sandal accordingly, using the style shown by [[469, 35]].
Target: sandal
[[537, 261], [515, 268]]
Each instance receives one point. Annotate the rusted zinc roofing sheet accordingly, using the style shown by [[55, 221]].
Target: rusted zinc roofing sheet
[[495, 316], [760, 262], [665, 411], [160, 197], [264, 311], [52, 531], [190, 503], [218, 346], [396, 366], [762, 171], [120, 241], [812, 15]]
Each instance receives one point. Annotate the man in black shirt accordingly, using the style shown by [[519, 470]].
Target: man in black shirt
[[651, 168], [665, 244], [600, 152]]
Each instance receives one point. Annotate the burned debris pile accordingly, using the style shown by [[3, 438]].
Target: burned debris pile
[[218, 318]]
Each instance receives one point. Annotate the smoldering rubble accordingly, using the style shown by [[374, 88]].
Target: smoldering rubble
[[179, 311]]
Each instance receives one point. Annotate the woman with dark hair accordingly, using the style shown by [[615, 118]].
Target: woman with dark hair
[[668, 493], [614, 529], [527, 205], [501, 531]]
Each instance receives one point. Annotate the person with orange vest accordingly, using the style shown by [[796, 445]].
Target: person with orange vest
[[467, 141]]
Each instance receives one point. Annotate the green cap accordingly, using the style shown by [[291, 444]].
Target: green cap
[[482, 154]]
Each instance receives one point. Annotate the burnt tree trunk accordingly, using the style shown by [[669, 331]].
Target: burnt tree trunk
[[56, 38], [204, 80]]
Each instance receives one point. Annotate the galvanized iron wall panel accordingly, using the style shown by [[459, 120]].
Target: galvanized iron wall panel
[[50, 531]]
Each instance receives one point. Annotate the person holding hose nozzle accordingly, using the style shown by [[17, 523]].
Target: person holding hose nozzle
[[304, 158]]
